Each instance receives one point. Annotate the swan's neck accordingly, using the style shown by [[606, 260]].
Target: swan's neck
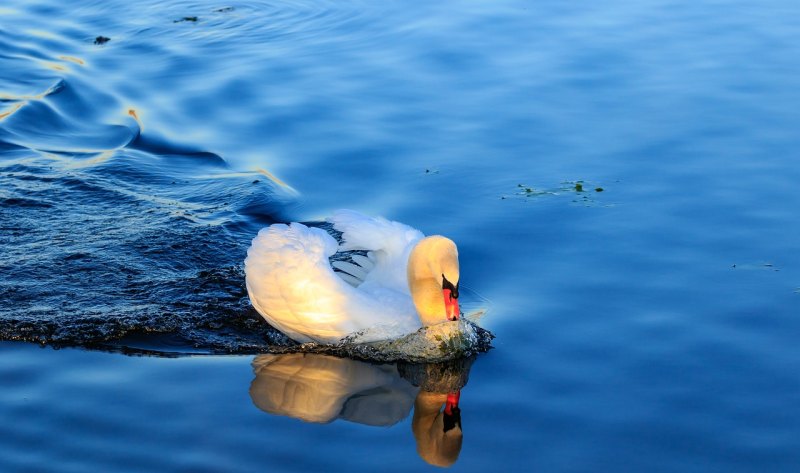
[[429, 261], [428, 300]]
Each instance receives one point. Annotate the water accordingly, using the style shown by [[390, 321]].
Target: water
[[649, 326]]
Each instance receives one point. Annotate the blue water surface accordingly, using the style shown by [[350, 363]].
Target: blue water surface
[[621, 179]]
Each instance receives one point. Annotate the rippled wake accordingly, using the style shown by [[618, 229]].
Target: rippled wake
[[128, 247]]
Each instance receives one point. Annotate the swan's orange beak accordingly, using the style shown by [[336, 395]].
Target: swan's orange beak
[[451, 304]]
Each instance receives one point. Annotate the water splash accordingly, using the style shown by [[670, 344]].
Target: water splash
[[438, 343]]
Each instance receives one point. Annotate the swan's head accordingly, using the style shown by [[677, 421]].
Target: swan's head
[[433, 279]]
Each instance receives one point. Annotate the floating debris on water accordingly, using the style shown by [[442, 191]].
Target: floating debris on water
[[101, 40], [531, 192], [756, 266], [579, 189]]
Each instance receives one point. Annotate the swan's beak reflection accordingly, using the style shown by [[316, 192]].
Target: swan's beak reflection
[[452, 414], [321, 388]]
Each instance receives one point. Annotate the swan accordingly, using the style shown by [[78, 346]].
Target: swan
[[395, 281]]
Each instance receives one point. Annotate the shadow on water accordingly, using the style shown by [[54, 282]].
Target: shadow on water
[[322, 389]]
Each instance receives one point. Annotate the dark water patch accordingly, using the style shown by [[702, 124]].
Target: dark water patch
[[17, 202], [161, 146], [77, 256], [7, 147], [132, 245]]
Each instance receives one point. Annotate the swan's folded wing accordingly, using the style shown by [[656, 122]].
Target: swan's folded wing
[[292, 285], [389, 244]]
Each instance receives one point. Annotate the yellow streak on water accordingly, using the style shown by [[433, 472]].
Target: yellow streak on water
[[24, 98], [10, 111], [273, 178], [42, 34], [55, 66], [73, 59], [256, 173]]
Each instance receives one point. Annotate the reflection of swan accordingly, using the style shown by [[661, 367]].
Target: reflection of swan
[[321, 388], [438, 432], [404, 279]]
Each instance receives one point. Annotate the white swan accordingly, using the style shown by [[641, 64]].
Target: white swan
[[405, 279]]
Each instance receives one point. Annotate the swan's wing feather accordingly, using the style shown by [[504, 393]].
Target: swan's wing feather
[[350, 268], [351, 280], [363, 261], [292, 285]]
